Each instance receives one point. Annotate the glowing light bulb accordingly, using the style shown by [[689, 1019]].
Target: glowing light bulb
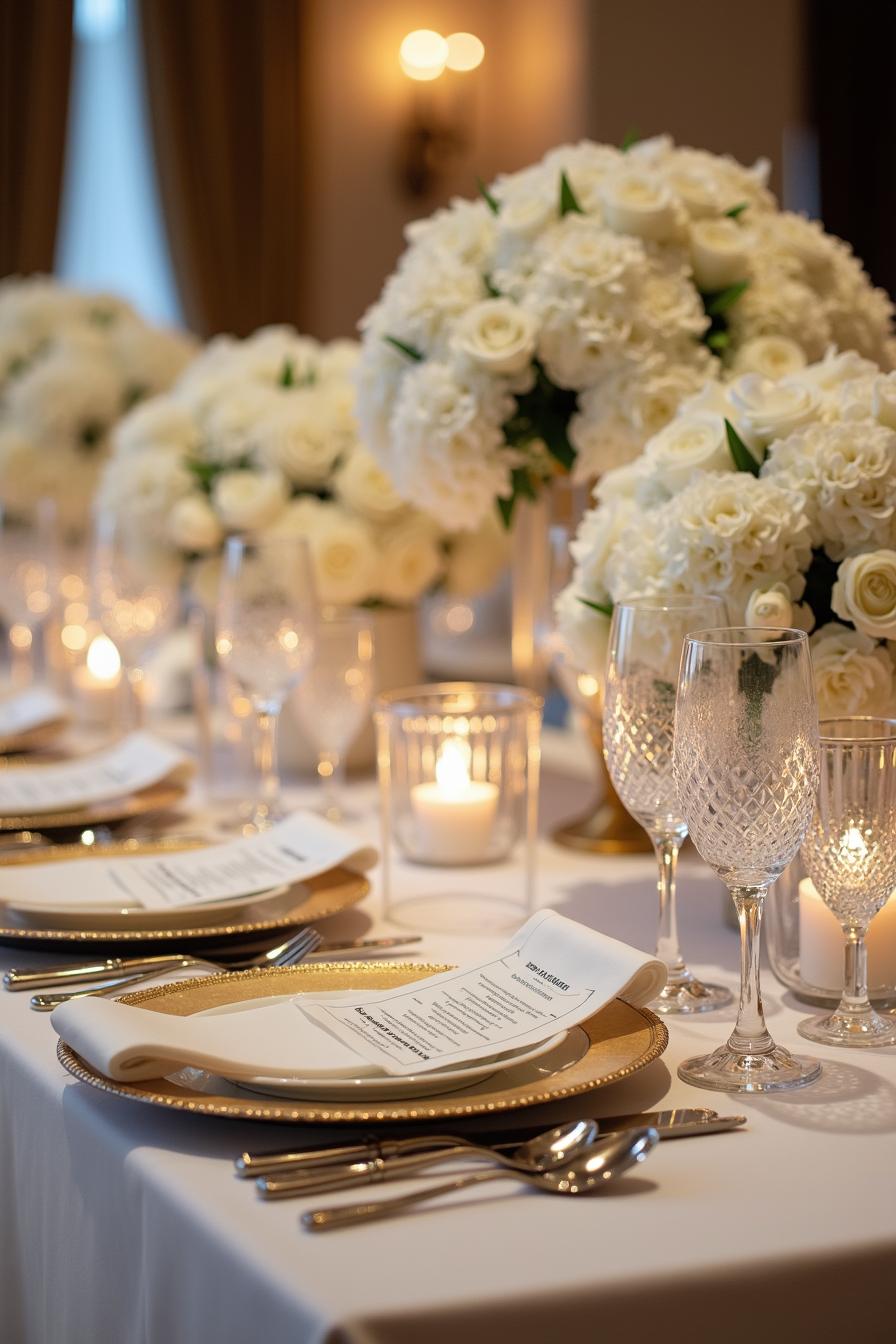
[[453, 767], [465, 52], [103, 659], [423, 54]]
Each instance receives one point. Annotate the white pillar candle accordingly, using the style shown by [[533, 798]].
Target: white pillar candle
[[455, 815], [822, 943], [96, 687]]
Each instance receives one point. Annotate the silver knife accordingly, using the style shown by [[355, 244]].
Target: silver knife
[[258, 1164], [111, 968]]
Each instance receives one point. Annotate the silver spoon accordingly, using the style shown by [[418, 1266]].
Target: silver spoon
[[589, 1170], [554, 1148]]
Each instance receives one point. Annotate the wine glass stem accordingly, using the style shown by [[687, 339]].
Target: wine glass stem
[[136, 715], [667, 848], [331, 772], [855, 990], [266, 760], [750, 1035]]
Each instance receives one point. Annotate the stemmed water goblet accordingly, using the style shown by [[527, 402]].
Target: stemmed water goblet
[[333, 698], [850, 854], [136, 589], [646, 639], [265, 635], [746, 767]]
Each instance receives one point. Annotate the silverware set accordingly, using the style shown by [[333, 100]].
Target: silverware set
[[571, 1159], [121, 973]]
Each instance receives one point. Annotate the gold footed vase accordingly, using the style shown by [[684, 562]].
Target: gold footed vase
[[606, 827]]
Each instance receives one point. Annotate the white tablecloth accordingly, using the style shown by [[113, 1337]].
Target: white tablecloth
[[120, 1224]]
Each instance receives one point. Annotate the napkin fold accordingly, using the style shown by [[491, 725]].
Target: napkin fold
[[304, 1037]]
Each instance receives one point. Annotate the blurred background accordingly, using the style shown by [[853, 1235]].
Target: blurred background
[[230, 163]]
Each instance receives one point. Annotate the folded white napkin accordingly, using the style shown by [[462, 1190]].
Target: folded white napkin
[[135, 763], [25, 711], [307, 1036]]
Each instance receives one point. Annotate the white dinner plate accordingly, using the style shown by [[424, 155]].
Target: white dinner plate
[[373, 1085]]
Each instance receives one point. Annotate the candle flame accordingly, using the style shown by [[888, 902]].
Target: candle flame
[[453, 767], [103, 661]]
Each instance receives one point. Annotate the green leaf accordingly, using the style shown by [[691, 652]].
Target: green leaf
[[492, 292], [522, 487], [91, 435], [721, 301], [404, 349], [737, 210], [741, 456], [631, 137], [718, 341], [493, 204], [568, 203], [605, 608], [287, 373]]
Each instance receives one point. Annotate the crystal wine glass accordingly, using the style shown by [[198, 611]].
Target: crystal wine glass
[[29, 566], [746, 766], [333, 699], [850, 854], [266, 624], [136, 588], [646, 639]]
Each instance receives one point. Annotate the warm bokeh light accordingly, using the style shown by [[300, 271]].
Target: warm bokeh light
[[74, 638], [465, 51], [423, 54], [103, 659]]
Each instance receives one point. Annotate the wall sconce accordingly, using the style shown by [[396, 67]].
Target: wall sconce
[[431, 139]]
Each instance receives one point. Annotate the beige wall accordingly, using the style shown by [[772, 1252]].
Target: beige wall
[[724, 74]]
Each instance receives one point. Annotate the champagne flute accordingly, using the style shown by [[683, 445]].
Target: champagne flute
[[136, 588], [333, 699], [850, 854], [746, 766], [266, 626], [646, 639]]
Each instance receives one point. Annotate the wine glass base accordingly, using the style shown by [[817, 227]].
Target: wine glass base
[[727, 1070], [850, 1029], [690, 996]]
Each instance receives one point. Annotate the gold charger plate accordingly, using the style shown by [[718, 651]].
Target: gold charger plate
[[317, 899], [621, 1040], [155, 798]]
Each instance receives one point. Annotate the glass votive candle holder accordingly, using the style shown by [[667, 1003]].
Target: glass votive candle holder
[[458, 770]]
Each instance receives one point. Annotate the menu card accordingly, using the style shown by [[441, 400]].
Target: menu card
[[298, 848], [553, 973], [132, 764], [27, 710]]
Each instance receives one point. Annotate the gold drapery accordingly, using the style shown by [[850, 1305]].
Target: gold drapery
[[35, 66], [225, 105]]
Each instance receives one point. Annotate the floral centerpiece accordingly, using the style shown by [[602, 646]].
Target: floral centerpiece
[[260, 436], [780, 495], [71, 364], [557, 323]]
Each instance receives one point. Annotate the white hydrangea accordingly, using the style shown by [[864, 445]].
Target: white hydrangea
[[594, 291]]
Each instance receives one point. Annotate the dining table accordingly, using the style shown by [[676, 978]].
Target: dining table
[[121, 1223]]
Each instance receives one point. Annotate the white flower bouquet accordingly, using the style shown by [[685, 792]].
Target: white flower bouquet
[[779, 495], [260, 436], [557, 323], [71, 364]]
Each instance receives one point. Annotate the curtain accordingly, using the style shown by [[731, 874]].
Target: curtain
[[35, 62], [852, 48], [225, 106]]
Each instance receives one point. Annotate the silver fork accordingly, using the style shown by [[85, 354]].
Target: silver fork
[[290, 953]]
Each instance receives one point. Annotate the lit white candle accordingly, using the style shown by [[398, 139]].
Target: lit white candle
[[96, 685], [822, 942], [455, 815]]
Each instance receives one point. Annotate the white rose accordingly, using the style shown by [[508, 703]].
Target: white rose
[[771, 356], [344, 555], [193, 524], [248, 500], [363, 487], [410, 561], [865, 593], [302, 435], [853, 675], [497, 335], [772, 410], [638, 204], [300, 517], [770, 607], [719, 253], [157, 423], [688, 445]]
